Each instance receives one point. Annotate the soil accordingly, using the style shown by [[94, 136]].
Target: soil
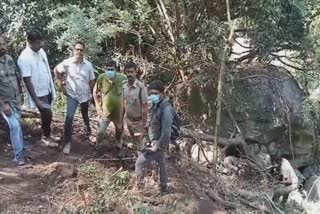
[[35, 187]]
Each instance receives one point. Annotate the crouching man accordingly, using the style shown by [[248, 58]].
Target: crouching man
[[288, 178], [159, 132]]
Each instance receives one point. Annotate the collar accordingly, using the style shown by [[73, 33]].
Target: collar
[[135, 83], [31, 51], [73, 60], [5, 59]]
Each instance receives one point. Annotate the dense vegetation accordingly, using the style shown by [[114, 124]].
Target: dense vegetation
[[174, 39]]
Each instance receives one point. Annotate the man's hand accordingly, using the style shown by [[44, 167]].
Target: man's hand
[[64, 90], [21, 99], [7, 110], [39, 104], [153, 148]]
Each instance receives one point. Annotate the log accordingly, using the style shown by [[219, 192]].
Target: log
[[257, 207], [222, 142], [249, 195], [216, 198]]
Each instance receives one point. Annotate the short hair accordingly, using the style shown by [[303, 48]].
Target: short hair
[[33, 35], [130, 64], [276, 156], [78, 42], [111, 63], [157, 85]]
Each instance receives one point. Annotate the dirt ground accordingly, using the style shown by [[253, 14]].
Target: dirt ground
[[35, 187]]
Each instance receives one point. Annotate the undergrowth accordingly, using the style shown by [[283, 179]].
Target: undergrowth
[[114, 193]]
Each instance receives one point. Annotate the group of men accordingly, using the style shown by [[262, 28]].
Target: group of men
[[118, 97]]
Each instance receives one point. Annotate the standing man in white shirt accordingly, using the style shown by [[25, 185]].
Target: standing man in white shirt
[[37, 76], [76, 75]]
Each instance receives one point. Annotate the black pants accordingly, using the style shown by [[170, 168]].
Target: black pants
[[46, 115]]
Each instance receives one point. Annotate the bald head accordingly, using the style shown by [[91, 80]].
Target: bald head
[[3, 45]]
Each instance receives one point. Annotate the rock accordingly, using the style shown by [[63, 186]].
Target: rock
[[277, 96], [308, 172], [312, 186], [63, 170]]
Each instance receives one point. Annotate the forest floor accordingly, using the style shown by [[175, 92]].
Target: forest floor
[[88, 181]]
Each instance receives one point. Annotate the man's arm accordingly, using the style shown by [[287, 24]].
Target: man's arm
[[144, 102], [123, 109], [144, 115], [57, 74], [287, 180], [166, 126], [96, 99], [32, 92], [91, 78], [5, 107], [91, 83]]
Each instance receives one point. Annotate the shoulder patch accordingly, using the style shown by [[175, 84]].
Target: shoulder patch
[[140, 84], [124, 81]]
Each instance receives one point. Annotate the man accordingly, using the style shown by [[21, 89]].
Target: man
[[159, 132], [37, 76], [288, 178], [77, 86], [10, 97], [109, 85], [135, 105]]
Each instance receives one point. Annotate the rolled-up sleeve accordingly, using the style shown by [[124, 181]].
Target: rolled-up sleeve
[[91, 72], [144, 95], [166, 127], [25, 67], [61, 67]]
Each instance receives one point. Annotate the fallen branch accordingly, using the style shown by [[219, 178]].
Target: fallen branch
[[248, 194], [272, 203], [113, 159], [264, 209], [216, 198], [222, 142], [9, 190]]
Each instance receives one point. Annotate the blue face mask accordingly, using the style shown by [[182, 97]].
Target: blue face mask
[[154, 98], [111, 74]]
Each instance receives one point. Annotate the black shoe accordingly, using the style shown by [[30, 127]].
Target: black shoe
[[87, 131], [164, 189]]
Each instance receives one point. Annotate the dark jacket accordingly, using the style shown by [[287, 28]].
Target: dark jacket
[[160, 125]]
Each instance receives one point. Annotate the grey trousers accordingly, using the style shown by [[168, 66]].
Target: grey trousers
[[144, 160]]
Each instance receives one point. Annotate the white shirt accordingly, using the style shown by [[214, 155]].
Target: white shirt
[[78, 77], [35, 65], [287, 171]]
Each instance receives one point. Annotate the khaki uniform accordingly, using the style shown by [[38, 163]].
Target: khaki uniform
[[135, 97]]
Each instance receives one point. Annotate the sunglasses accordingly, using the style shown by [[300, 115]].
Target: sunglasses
[[79, 49]]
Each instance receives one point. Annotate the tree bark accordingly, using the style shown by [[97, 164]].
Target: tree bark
[[220, 83]]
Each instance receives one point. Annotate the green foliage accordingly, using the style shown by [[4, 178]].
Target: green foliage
[[278, 24], [18, 16]]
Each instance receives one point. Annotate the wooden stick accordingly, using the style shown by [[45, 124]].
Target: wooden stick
[[220, 83], [254, 206]]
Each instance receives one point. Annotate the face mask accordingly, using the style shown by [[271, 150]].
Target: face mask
[[154, 98], [111, 74]]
